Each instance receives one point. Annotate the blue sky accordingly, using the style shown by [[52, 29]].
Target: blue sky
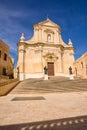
[[19, 16]]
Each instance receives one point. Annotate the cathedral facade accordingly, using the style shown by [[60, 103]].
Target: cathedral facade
[[45, 49]]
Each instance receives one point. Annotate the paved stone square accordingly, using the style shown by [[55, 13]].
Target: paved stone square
[[58, 103]]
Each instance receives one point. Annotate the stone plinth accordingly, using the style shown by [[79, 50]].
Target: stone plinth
[[45, 77], [71, 77]]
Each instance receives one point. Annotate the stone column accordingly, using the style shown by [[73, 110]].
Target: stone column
[[21, 62]]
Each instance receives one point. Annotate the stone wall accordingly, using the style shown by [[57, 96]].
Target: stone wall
[[6, 62], [80, 66]]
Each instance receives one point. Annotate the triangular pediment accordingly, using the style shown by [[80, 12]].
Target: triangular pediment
[[48, 22]]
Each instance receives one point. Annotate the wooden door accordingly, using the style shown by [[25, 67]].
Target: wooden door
[[50, 68]]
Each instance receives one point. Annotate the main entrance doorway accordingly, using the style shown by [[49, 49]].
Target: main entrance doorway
[[50, 68]]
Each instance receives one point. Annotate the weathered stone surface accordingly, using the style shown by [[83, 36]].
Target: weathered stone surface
[[80, 67], [64, 110], [6, 62]]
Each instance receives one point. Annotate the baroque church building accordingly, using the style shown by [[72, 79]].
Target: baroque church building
[[45, 49]]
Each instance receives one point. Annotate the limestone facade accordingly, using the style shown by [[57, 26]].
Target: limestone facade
[[6, 62], [80, 66], [45, 49]]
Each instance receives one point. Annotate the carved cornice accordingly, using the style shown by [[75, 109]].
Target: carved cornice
[[50, 56], [21, 43], [49, 31], [37, 44], [22, 50], [69, 48]]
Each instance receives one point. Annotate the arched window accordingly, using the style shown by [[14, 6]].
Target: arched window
[[48, 37]]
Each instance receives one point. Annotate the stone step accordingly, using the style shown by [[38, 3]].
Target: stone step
[[52, 85]]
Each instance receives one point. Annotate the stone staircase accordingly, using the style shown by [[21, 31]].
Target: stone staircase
[[53, 85]]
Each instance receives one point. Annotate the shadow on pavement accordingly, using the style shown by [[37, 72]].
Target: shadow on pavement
[[74, 123]]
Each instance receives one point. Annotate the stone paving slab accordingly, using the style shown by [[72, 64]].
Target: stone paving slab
[[72, 123], [55, 106]]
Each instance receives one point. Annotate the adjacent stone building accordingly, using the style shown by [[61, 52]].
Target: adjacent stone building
[[6, 62], [45, 49], [80, 66]]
